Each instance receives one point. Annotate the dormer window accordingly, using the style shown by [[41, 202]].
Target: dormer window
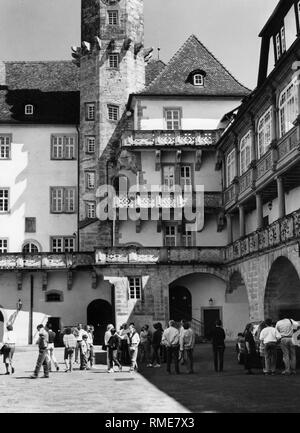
[[29, 110], [198, 80], [280, 43]]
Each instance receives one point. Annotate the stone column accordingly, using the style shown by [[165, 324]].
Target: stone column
[[259, 211], [242, 221], [281, 197], [229, 229]]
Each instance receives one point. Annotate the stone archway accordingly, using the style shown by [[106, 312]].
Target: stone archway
[[99, 314], [282, 293]]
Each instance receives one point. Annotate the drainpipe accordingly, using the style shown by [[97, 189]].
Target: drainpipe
[[78, 185]]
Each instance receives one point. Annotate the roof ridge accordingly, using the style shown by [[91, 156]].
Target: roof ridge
[[217, 60], [37, 61]]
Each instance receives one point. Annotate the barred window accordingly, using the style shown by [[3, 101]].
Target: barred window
[[5, 146], [135, 287]]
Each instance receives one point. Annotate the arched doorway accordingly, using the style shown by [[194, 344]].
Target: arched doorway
[[282, 294], [180, 303], [99, 314], [1, 326]]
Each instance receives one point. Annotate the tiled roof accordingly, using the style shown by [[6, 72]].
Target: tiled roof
[[51, 87], [153, 69], [193, 55]]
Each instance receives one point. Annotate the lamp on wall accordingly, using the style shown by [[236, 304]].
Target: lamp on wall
[[211, 302], [270, 206]]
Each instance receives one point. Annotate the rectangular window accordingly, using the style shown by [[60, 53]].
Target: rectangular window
[[283, 43], [113, 18], [5, 146], [288, 108], [278, 46], [62, 244], [90, 180], [91, 209], [264, 132], [113, 60], [170, 236], [187, 238], [3, 245], [63, 199], [4, 200], [30, 225], [245, 153], [169, 176], [135, 287], [63, 147], [90, 144], [230, 167], [186, 177], [173, 118], [113, 112], [90, 111]]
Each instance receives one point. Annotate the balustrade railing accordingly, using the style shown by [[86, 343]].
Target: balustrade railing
[[279, 232], [264, 164], [287, 144], [170, 138]]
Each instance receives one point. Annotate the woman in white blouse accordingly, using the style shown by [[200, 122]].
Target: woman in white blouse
[[8, 349]]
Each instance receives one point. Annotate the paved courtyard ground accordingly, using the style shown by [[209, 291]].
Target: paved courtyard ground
[[152, 390]]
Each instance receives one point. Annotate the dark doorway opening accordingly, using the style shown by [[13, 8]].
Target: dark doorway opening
[[55, 323], [180, 303], [99, 314], [1, 326], [210, 315]]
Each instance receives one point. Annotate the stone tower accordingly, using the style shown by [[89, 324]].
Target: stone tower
[[112, 66]]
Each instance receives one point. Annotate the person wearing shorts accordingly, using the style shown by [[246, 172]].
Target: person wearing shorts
[[9, 343], [70, 343]]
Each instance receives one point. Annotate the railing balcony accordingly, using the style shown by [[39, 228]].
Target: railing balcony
[[163, 138], [265, 164], [231, 194], [288, 147], [45, 261], [279, 232]]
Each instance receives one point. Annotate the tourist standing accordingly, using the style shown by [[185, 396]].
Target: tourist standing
[[134, 341], [218, 344], [250, 353], [90, 341], [187, 343], [170, 339], [70, 343], [124, 357], [79, 332], [156, 345], [145, 345], [286, 328], [51, 339], [84, 352], [8, 349], [43, 358], [269, 336], [113, 345], [107, 336]]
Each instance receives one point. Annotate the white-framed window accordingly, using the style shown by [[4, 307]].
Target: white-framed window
[[245, 153], [63, 199], [264, 129], [170, 236], [186, 177], [63, 147], [283, 41], [288, 111], [5, 146], [187, 238], [172, 118], [3, 245], [90, 111], [230, 167], [169, 176], [91, 209], [28, 109], [135, 287], [90, 143], [63, 244], [280, 42], [30, 248], [90, 179], [4, 200], [113, 112], [198, 80], [113, 18], [113, 61]]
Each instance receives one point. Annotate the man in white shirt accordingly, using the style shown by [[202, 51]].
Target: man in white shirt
[[134, 341], [170, 340], [270, 336], [286, 327], [79, 333]]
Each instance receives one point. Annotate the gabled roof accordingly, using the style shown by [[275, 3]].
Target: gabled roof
[[51, 87], [153, 69], [193, 55]]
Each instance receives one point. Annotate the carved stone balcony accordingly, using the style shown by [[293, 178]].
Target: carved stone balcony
[[281, 231], [45, 261], [165, 138]]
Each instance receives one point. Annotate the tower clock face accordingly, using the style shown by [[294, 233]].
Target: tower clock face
[[110, 2]]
